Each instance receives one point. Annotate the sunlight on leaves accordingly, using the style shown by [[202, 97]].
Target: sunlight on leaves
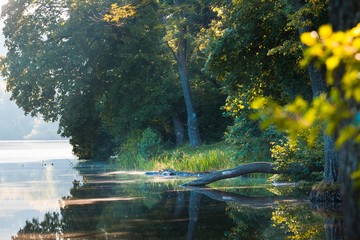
[[334, 50], [285, 218], [117, 13]]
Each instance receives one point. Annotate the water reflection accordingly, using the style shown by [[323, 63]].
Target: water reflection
[[29, 190], [121, 205], [33, 175]]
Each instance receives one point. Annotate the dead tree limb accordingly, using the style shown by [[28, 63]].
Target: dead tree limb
[[256, 167]]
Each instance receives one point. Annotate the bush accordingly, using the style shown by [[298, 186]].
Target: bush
[[150, 144], [128, 153], [253, 143], [305, 160]]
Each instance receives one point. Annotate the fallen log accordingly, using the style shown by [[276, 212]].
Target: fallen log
[[255, 167]]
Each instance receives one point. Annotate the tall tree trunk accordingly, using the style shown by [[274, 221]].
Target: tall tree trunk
[[318, 86], [349, 156], [179, 130], [192, 123], [343, 16], [331, 160]]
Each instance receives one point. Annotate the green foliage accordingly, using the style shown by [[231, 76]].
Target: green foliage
[[337, 112], [240, 56], [335, 50], [305, 161], [201, 159], [128, 156], [304, 15], [248, 45], [253, 144], [150, 144], [103, 76], [144, 88], [63, 58]]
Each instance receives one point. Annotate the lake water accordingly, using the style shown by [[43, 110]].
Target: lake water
[[45, 193]]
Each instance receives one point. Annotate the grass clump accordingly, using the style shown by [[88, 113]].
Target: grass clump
[[203, 158]]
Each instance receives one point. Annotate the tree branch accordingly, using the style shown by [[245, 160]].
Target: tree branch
[[172, 51]]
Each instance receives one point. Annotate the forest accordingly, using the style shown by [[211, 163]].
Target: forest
[[276, 80]]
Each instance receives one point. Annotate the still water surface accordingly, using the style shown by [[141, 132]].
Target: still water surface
[[46, 194]]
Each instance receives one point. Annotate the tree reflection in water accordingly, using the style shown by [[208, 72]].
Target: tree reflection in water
[[276, 217], [163, 210]]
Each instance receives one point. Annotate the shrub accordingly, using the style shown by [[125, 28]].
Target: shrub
[[150, 144], [306, 161]]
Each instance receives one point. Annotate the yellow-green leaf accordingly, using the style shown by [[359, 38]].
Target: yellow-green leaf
[[309, 39], [258, 103], [332, 62], [346, 133], [325, 31]]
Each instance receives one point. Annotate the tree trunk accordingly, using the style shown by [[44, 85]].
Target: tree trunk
[[349, 155], [318, 86], [192, 123], [343, 16], [181, 60], [331, 160], [179, 130], [256, 167]]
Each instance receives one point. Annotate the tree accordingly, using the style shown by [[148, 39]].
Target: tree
[[101, 80], [338, 113], [178, 44], [57, 57], [142, 92], [307, 17], [181, 23], [296, 17], [66, 63], [248, 45], [343, 16]]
